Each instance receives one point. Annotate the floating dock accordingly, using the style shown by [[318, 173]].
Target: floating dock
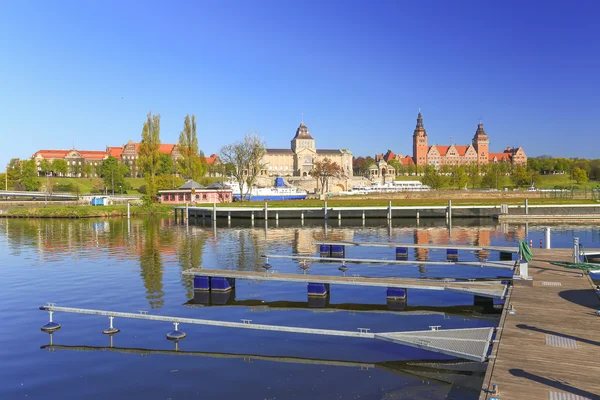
[[549, 335], [204, 279], [469, 343]]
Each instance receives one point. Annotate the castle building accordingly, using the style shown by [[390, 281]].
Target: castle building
[[476, 152], [300, 159]]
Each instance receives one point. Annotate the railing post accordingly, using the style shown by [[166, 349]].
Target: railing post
[[449, 210], [325, 210], [390, 209], [548, 244], [526, 206], [214, 213], [266, 210], [576, 250]]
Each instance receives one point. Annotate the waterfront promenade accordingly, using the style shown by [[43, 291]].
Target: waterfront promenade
[[550, 346]]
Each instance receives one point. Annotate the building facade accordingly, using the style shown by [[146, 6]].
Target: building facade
[[79, 162], [475, 152], [301, 157]]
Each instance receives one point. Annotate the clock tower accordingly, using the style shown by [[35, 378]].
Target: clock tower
[[420, 147]]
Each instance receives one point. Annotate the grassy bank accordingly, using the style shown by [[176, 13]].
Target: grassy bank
[[364, 202], [85, 211], [562, 181]]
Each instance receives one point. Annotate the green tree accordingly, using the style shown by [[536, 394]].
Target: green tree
[[434, 179], [396, 165], [45, 167], [580, 175], [473, 174], [14, 173], [520, 177], [60, 167], [88, 170], [113, 174], [29, 176], [458, 177], [246, 157], [190, 163], [166, 166], [76, 170], [149, 157], [323, 171]]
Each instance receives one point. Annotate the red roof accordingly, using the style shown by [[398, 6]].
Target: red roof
[[389, 156], [91, 154], [163, 148], [462, 150], [499, 156], [407, 161], [114, 151], [51, 153], [442, 149], [211, 159]]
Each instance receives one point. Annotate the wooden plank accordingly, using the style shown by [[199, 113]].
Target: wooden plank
[[526, 367]]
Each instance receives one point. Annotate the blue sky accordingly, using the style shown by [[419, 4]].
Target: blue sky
[[359, 71]]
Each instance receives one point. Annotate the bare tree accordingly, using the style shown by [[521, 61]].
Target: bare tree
[[324, 170], [246, 157]]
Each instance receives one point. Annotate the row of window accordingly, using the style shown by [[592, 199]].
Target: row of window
[[187, 196]]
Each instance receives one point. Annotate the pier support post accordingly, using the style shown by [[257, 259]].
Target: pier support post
[[547, 234], [214, 213], [302, 215], [363, 216], [252, 216], [325, 210], [449, 210], [417, 215], [526, 206], [187, 212], [128, 210], [266, 210], [389, 214], [228, 216], [339, 215], [276, 215], [576, 259]]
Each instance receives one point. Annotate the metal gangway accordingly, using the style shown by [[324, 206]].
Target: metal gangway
[[469, 343]]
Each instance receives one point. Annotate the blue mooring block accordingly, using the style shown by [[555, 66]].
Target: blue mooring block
[[221, 284], [338, 250], [452, 254], [318, 289], [201, 283], [396, 293], [401, 253], [325, 250]]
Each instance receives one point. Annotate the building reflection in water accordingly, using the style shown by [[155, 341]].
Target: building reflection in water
[[154, 242]]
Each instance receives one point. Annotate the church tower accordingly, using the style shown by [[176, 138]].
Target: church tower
[[303, 139], [420, 147], [481, 143]]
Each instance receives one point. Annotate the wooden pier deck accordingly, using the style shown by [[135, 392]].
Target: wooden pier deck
[[550, 347]]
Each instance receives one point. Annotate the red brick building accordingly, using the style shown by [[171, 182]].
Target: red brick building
[[476, 152]]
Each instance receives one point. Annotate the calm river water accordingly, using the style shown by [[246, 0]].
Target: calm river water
[[120, 266]]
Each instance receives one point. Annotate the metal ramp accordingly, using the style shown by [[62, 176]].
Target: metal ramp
[[470, 343]]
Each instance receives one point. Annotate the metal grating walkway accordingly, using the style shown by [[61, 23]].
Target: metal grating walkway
[[471, 344], [565, 396], [560, 341]]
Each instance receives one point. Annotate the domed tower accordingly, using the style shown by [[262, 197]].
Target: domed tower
[[302, 140], [481, 143], [420, 147]]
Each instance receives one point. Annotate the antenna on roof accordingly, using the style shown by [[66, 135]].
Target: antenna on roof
[[480, 120], [302, 117], [73, 144], [450, 140]]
